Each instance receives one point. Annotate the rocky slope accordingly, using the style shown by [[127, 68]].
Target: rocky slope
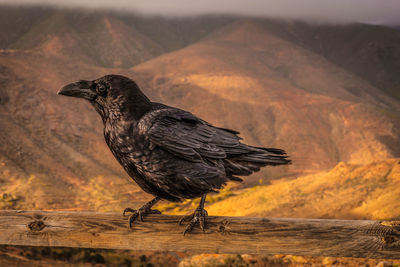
[[277, 94], [239, 73], [347, 192]]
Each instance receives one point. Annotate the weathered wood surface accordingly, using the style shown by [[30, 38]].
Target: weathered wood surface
[[317, 237]]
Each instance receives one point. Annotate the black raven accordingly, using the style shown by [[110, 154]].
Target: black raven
[[169, 152]]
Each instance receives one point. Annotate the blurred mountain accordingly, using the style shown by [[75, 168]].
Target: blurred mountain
[[99, 38], [369, 51], [15, 22], [323, 101], [277, 94], [397, 27], [49, 151]]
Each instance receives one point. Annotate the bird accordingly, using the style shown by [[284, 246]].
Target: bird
[[169, 152]]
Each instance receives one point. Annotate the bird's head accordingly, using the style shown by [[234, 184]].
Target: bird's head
[[111, 95]]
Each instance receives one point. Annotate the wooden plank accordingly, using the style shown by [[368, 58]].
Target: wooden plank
[[315, 237]]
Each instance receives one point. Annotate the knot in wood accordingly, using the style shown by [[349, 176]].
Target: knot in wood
[[36, 225], [224, 227]]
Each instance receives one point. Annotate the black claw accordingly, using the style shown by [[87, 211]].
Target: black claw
[[146, 209], [186, 218], [132, 218], [202, 224], [198, 216], [187, 230], [140, 213], [128, 210]]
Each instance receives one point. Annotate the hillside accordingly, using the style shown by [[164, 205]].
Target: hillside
[[369, 51], [346, 192], [49, 152], [277, 93], [103, 40], [16, 21], [100, 38], [234, 72]]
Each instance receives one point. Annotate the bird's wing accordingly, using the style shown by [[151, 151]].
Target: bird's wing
[[186, 136], [196, 166]]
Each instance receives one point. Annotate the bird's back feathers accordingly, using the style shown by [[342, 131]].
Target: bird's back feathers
[[197, 143]]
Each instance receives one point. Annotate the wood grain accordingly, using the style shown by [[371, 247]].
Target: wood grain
[[315, 237]]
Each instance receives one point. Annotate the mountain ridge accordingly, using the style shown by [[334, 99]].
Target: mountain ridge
[[234, 73], [196, 57]]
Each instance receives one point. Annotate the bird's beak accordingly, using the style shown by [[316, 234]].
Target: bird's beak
[[80, 89]]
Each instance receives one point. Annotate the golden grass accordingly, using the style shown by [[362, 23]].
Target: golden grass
[[191, 204], [347, 191]]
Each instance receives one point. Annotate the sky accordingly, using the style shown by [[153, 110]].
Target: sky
[[368, 11]]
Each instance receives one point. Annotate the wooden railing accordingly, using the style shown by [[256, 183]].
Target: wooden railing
[[314, 237]]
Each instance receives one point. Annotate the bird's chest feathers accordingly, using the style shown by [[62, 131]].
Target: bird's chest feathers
[[124, 142]]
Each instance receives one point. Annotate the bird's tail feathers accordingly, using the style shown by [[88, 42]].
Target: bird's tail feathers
[[254, 158], [266, 156]]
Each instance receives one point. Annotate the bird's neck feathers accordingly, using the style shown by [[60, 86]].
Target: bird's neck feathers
[[125, 107]]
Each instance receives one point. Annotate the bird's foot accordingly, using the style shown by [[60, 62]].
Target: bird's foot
[[198, 216], [145, 210]]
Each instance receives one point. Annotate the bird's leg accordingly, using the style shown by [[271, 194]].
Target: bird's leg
[[146, 209], [198, 215]]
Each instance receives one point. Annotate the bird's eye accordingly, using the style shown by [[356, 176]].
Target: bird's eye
[[101, 89]]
